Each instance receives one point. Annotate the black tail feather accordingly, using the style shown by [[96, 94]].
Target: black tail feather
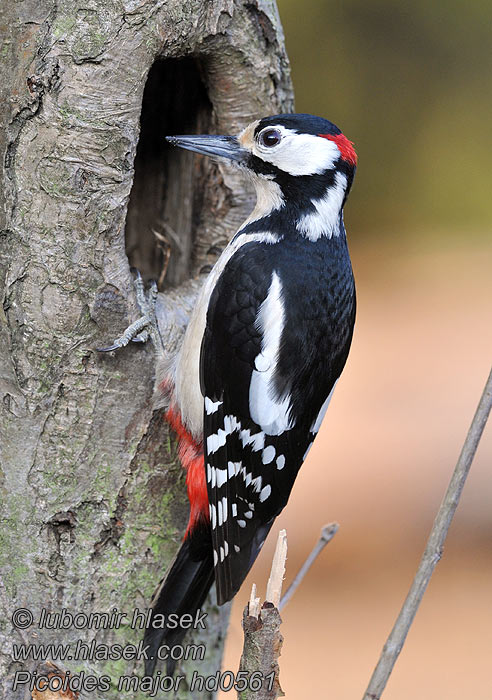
[[184, 591], [229, 580]]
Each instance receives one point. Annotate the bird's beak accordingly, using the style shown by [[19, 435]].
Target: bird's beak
[[216, 146]]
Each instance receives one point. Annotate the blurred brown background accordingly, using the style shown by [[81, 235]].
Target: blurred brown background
[[410, 84]]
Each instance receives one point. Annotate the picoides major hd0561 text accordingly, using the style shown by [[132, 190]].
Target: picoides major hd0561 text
[[265, 345]]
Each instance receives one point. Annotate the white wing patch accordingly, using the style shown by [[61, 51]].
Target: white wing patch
[[266, 409], [324, 221]]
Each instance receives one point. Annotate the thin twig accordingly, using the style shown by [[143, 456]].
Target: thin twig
[[433, 550], [274, 585], [327, 534], [254, 603]]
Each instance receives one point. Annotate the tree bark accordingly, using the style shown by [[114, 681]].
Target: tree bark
[[93, 502]]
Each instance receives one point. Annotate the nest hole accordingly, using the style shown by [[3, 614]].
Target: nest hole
[[167, 192]]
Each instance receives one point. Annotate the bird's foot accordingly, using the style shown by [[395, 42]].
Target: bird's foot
[[144, 327]]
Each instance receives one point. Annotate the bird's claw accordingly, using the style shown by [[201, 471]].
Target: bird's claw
[[144, 327], [112, 347]]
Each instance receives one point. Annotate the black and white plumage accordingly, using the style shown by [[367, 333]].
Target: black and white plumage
[[265, 346]]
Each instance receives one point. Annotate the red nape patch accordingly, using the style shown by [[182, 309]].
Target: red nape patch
[[345, 147], [190, 454]]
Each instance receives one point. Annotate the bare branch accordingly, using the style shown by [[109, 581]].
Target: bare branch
[[433, 550], [262, 638], [327, 534]]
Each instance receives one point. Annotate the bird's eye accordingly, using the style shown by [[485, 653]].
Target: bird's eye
[[270, 137]]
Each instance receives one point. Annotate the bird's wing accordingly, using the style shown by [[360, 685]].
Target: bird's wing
[[253, 448]]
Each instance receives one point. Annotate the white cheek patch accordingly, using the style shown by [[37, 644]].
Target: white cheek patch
[[300, 154], [323, 221], [267, 410]]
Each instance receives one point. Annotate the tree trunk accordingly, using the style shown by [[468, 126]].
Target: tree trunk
[[93, 502]]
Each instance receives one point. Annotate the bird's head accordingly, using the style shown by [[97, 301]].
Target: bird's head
[[298, 162]]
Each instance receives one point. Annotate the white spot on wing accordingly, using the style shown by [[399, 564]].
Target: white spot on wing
[[265, 493], [221, 549], [324, 220], [257, 441], [213, 516], [268, 454], [216, 441], [268, 410], [241, 523], [224, 508], [256, 484], [280, 462], [221, 477], [211, 406], [233, 468], [231, 424], [234, 509], [236, 548]]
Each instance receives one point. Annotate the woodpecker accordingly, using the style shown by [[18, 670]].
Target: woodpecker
[[265, 345]]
